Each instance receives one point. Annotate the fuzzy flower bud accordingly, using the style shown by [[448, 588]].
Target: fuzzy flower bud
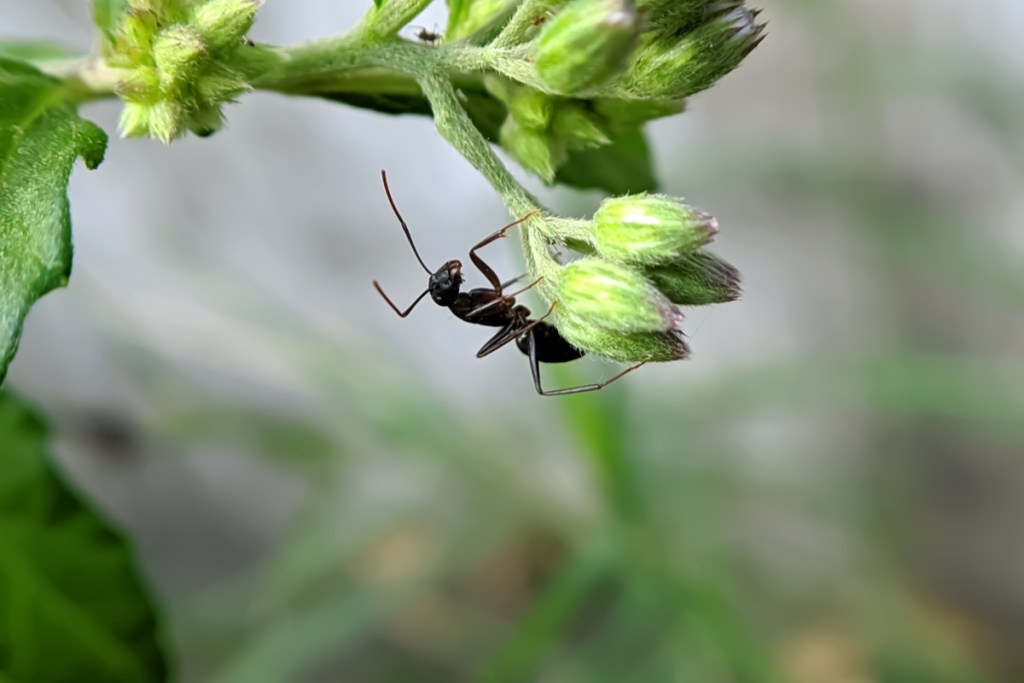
[[601, 295], [649, 229], [182, 60], [472, 16], [222, 23], [696, 279], [586, 43], [531, 108], [674, 67], [625, 114], [625, 348], [577, 127], [177, 53], [529, 147]]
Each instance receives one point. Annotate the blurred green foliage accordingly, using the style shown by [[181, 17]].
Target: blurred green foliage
[[71, 605], [687, 555]]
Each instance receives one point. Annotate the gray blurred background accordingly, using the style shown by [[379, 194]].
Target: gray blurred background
[[321, 491]]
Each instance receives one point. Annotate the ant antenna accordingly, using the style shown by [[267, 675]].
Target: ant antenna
[[408, 235]]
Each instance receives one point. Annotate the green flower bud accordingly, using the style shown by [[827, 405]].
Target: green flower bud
[[530, 148], [134, 121], [503, 89], [667, 66], [605, 296], [142, 86], [177, 52], [625, 348], [220, 84], [586, 43], [622, 114], [140, 27], [696, 279], [531, 108], [165, 120], [649, 229], [182, 60], [577, 127], [471, 16], [674, 17], [223, 23], [206, 121]]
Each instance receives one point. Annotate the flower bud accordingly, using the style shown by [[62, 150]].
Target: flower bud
[[182, 60], [139, 27], [625, 347], [586, 43], [141, 86], [531, 148], [177, 52], [649, 229], [531, 108], [220, 84], [474, 15], [577, 128], [674, 67], [134, 121], [697, 279], [622, 114], [605, 296], [675, 16], [223, 23], [165, 119]]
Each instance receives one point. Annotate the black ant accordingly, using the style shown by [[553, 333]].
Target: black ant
[[540, 341], [427, 36]]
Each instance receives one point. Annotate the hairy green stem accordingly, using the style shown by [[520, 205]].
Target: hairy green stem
[[455, 126], [388, 19], [88, 78], [525, 21]]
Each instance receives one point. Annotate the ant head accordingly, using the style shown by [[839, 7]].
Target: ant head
[[445, 283]]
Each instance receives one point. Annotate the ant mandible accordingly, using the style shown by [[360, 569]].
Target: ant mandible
[[540, 341]]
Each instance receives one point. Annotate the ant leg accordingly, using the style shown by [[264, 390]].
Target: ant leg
[[535, 371], [487, 271], [401, 314], [509, 333], [504, 298]]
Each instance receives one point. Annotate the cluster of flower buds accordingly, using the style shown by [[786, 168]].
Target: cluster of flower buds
[[540, 129], [601, 66], [182, 61], [648, 258]]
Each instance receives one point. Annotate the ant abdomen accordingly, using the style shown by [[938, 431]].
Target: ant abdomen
[[549, 345]]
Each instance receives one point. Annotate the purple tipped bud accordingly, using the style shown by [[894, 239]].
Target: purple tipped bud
[[677, 66], [626, 347], [604, 296], [697, 279]]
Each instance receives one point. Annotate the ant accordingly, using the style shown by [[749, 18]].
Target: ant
[[490, 306], [428, 36]]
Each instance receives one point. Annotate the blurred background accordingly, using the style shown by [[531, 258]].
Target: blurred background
[[830, 491]]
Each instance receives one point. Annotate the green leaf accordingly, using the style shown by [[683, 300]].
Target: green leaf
[[623, 167], [107, 14], [40, 138], [36, 50], [71, 605]]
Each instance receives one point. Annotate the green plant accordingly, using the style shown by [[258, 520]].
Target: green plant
[[563, 86]]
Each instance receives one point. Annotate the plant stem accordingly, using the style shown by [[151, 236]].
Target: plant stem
[[455, 126], [87, 78]]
